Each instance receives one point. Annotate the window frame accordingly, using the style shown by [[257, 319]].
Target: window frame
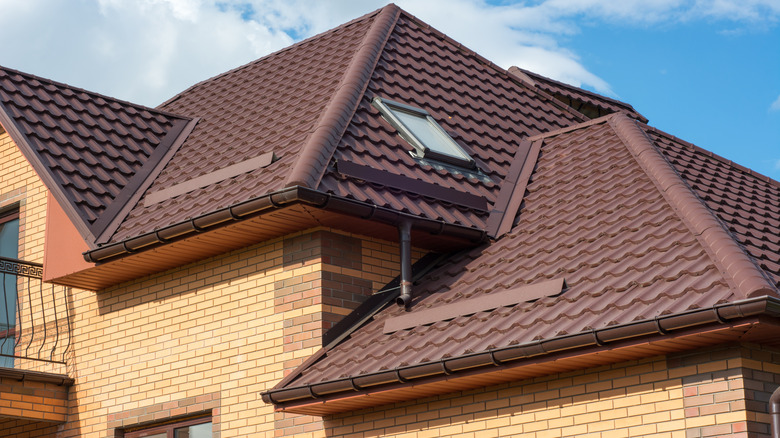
[[388, 108], [168, 428], [8, 215]]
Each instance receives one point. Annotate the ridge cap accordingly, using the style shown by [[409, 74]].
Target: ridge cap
[[737, 267], [93, 94], [337, 113], [531, 74]]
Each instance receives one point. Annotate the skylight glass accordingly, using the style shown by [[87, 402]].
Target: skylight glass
[[422, 132]]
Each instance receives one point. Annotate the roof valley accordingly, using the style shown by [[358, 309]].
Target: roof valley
[[747, 279], [142, 180]]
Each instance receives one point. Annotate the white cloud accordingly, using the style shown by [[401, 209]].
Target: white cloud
[[148, 50], [775, 105]]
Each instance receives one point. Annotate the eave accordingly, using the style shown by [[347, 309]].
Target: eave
[[270, 216], [752, 320]]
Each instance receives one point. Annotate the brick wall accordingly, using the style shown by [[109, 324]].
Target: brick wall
[[701, 394], [228, 327], [21, 188], [28, 429]]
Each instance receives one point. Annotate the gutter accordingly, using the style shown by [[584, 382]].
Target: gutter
[[500, 357], [272, 201]]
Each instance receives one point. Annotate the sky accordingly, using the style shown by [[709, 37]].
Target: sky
[[706, 71]]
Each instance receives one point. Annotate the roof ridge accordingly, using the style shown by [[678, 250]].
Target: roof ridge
[[716, 157], [335, 117], [272, 54], [92, 93], [724, 250], [531, 75]]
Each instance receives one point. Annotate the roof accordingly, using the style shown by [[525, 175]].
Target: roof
[[589, 103], [258, 133], [94, 152], [606, 212], [603, 230], [313, 125]]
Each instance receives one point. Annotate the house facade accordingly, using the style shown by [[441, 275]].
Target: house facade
[[406, 240]]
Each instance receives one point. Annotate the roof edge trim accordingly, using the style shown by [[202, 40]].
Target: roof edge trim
[[527, 76], [37, 376], [46, 177], [335, 118], [488, 360], [274, 200], [748, 279]]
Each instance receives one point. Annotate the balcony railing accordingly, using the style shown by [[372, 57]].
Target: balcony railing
[[35, 332]]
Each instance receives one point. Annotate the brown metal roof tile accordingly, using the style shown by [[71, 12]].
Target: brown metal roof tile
[[747, 203], [256, 109], [92, 151], [593, 215], [486, 112], [595, 105]]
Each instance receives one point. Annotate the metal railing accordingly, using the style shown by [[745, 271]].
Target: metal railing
[[34, 317]]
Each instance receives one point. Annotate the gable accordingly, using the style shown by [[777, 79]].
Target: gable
[[94, 153]]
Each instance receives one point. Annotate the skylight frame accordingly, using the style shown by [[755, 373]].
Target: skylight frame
[[390, 109]]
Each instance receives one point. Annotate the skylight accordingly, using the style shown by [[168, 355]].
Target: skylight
[[427, 137]]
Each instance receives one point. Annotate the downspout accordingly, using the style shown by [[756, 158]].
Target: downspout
[[774, 413], [405, 239]]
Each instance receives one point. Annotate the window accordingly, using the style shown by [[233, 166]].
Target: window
[[192, 428], [427, 137], [9, 248]]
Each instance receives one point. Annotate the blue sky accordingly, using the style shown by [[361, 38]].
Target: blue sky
[[707, 71]]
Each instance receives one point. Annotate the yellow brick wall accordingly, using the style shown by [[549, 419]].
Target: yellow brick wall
[[700, 394], [20, 187], [19, 184], [222, 330]]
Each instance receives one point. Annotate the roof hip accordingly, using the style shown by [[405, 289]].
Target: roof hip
[[738, 269], [335, 118]]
